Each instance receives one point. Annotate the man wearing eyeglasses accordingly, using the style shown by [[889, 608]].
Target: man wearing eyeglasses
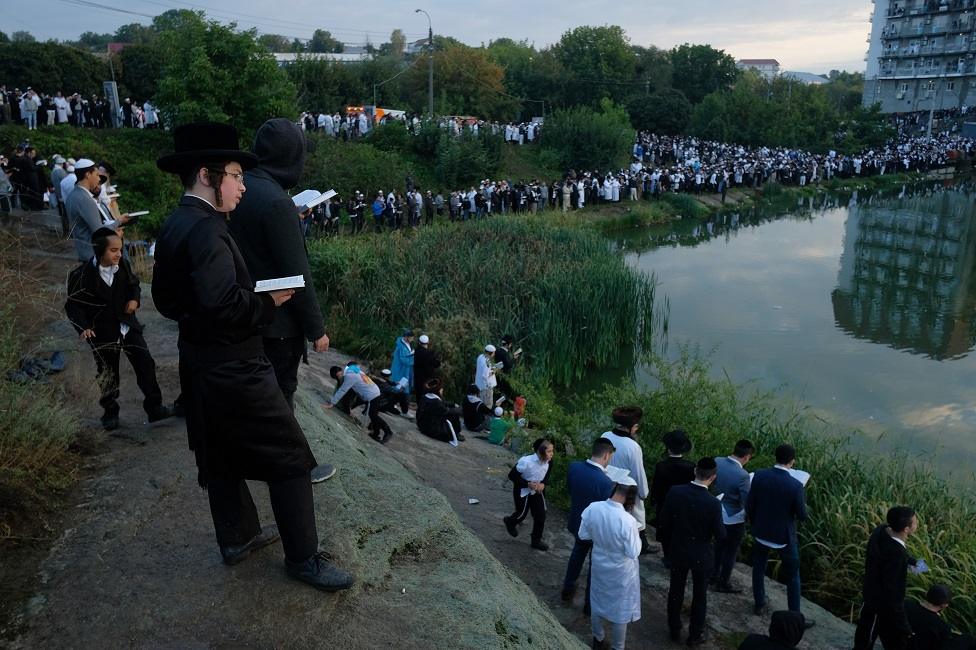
[[268, 231]]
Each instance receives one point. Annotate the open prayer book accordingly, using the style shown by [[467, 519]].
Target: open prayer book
[[311, 198], [277, 284]]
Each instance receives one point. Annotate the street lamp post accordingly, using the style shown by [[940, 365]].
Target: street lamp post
[[430, 64]]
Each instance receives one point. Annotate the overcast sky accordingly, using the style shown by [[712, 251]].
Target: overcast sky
[[806, 35]]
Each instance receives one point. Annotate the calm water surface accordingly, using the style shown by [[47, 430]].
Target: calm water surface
[[862, 306]]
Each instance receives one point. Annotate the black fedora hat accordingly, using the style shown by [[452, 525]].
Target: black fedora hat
[[196, 143], [677, 442]]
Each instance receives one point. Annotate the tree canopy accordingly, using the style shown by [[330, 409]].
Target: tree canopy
[[699, 70]]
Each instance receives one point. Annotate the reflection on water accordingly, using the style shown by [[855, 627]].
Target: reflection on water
[[906, 274], [859, 304]]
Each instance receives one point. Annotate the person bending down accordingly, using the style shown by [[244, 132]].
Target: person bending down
[[354, 379], [529, 477]]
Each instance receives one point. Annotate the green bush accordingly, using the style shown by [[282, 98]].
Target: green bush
[[392, 137], [582, 138], [350, 166]]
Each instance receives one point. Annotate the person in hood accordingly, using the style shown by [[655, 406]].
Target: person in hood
[[268, 231], [785, 631]]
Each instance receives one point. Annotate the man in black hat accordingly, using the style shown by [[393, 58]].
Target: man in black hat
[[693, 519], [239, 424], [267, 230], [673, 470]]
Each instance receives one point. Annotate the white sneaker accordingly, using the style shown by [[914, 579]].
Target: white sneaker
[[409, 415]]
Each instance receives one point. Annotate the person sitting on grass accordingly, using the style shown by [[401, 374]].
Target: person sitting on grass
[[103, 297], [501, 428], [352, 378], [436, 418], [529, 478], [476, 412]]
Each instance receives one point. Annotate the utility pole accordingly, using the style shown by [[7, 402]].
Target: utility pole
[[430, 64]]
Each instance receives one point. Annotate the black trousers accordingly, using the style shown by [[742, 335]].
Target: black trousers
[[376, 422], [285, 354], [534, 503], [107, 364], [236, 519], [876, 623], [676, 598], [726, 551]]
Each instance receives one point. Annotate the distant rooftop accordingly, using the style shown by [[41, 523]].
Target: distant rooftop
[[806, 77], [758, 62]]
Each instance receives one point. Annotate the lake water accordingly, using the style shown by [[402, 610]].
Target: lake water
[[860, 305]]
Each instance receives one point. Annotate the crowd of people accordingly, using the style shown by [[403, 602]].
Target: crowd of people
[[33, 109], [354, 124], [240, 349]]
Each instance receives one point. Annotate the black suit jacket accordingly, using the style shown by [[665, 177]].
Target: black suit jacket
[[668, 473], [693, 516], [94, 305], [885, 574], [425, 365]]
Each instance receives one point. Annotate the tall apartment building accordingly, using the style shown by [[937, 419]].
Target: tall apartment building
[[921, 55]]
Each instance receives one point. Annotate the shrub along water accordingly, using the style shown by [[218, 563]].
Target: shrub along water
[[570, 302]]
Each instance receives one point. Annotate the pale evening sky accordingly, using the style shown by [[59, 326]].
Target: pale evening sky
[[806, 35]]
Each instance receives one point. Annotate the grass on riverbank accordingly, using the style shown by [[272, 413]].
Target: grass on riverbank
[[36, 430], [847, 497], [569, 301]]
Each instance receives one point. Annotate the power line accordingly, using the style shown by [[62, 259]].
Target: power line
[[95, 5]]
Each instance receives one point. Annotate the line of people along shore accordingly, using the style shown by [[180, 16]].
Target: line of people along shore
[[240, 350]]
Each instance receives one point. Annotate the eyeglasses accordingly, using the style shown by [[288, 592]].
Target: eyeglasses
[[237, 176]]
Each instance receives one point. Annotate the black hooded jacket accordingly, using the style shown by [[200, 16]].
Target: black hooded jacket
[[268, 231]]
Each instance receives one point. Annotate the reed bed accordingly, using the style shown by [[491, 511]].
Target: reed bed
[[570, 302]]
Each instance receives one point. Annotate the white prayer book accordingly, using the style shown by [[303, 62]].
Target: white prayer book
[[277, 284], [311, 198], [139, 213], [798, 474]]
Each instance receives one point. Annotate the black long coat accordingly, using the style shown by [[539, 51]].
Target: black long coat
[[238, 422]]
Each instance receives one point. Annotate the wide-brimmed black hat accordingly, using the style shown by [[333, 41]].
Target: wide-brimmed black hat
[[627, 416], [677, 442], [196, 143]]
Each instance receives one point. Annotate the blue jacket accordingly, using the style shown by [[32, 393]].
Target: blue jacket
[[587, 484], [774, 505], [732, 481], [402, 365]]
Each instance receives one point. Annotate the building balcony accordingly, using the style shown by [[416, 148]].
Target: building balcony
[[928, 7]]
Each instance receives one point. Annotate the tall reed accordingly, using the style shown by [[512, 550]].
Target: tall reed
[[570, 302]]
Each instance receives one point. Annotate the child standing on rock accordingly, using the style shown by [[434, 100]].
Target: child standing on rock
[[529, 476]]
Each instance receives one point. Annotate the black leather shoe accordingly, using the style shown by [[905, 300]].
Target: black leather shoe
[[322, 472], [318, 572], [600, 645], [696, 640], [727, 588], [511, 527], [567, 595], [387, 438], [162, 413], [237, 554], [460, 437], [586, 609], [110, 422], [539, 545]]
